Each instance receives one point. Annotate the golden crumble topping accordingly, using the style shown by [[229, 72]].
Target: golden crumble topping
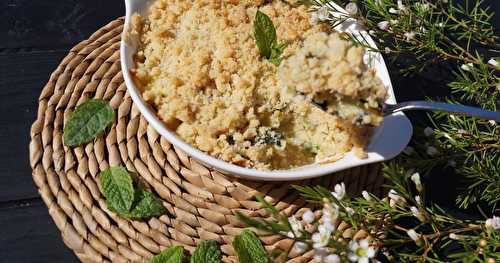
[[199, 66]]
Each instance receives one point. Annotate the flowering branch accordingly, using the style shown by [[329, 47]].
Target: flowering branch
[[415, 34], [398, 227]]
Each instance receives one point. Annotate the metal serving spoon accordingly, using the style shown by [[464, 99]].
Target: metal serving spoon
[[388, 109]]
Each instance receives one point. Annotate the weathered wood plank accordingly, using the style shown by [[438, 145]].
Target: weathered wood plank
[[54, 23], [29, 235], [21, 80]]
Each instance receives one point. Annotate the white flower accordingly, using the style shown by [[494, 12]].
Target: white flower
[[361, 251], [371, 32], [453, 117], [409, 150], [416, 180], [349, 211], [467, 67], [413, 235], [366, 196], [454, 236], [393, 195], [441, 24], [300, 247], [339, 191], [492, 122], [308, 216], [401, 6], [320, 239], [384, 25], [493, 223], [296, 226], [323, 13], [387, 50], [351, 8], [333, 258], [418, 200], [428, 131], [431, 151], [416, 213], [393, 10], [326, 227], [493, 62], [409, 36]]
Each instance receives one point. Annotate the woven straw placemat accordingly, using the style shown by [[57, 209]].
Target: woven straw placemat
[[201, 203]]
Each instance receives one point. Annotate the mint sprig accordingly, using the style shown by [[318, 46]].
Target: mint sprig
[[276, 51], [122, 198], [145, 205], [249, 248], [118, 189], [171, 255], [266, 39], [207, 252], [89, 120]]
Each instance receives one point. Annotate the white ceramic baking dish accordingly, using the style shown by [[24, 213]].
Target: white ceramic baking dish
[[388, 140]]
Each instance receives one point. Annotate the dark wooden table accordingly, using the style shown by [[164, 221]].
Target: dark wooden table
[[35, 35]]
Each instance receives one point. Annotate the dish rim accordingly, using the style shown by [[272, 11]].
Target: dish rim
[[299, 173]]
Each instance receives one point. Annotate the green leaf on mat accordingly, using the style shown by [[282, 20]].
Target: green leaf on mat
[[249, 249], [207, 252], [170, 255], [145, 205], [118, 189], [88, 121], [264, 33]]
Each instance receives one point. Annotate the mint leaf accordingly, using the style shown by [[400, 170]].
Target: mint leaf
[[266, 40], [89, 120], [145, 205], [170, 255], [249, 249], [206, 252], [264, 33], [117, 187], [276, 51]]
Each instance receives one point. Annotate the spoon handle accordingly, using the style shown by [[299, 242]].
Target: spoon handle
[[439, 106]]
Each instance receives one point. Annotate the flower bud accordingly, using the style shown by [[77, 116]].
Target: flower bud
[[366, 196], [384, 25], [308, 217], [483, 243], [351, 8], [414, 236], [416, 180]]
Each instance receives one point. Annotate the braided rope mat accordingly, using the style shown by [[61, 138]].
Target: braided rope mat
[[201, 203]]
